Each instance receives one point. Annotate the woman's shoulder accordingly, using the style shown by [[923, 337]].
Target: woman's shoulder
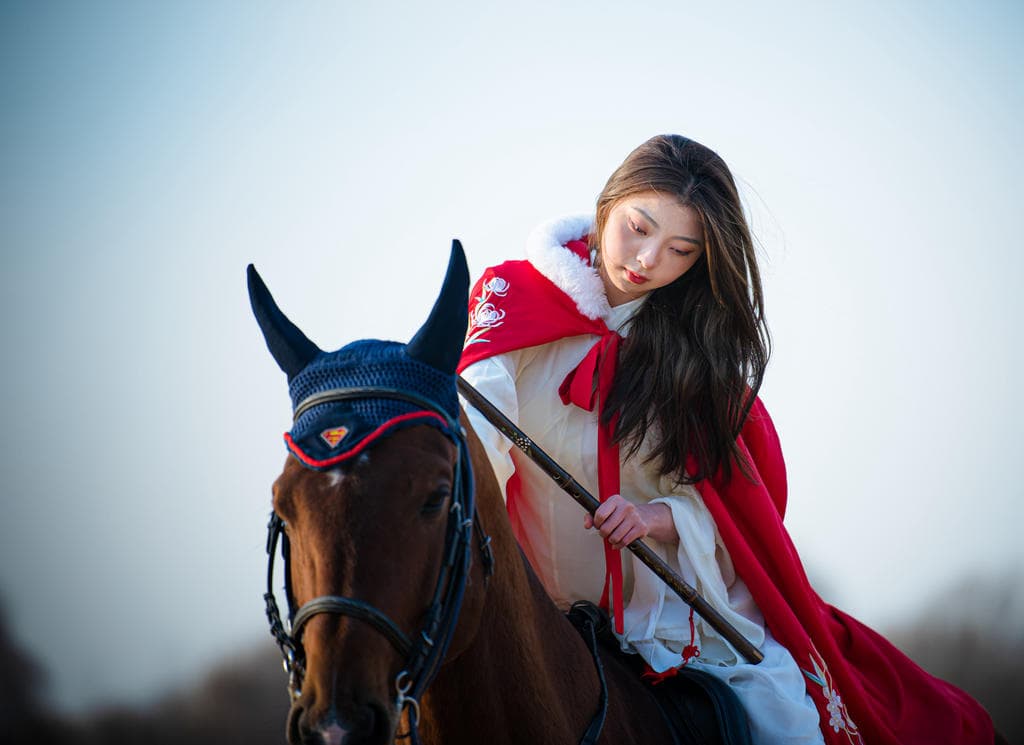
[[558, 250]]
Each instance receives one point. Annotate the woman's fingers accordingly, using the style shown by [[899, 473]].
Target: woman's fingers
[[626, 534], [600, 514], [608, 508], [618, 521], [611, 512]]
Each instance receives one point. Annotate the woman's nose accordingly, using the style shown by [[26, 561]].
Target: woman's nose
[[646, 257]]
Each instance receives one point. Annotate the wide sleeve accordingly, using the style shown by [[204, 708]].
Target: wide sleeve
[[658, 621], [494, 378]]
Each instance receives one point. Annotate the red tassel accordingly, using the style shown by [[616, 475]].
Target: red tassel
[[691, 650], [659, 678]]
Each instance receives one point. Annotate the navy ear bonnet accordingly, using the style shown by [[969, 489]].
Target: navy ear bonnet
[[327, 433], [330, 433]]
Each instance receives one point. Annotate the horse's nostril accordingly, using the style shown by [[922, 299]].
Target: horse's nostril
[[383, 724], [293, 729]]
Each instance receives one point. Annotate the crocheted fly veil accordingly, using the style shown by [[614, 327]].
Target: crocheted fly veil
[[327, 434]]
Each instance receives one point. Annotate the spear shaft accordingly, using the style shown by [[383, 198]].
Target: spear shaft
[[590, 503]]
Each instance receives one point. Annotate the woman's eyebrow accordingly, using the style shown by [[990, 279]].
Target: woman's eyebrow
[[654, 222]]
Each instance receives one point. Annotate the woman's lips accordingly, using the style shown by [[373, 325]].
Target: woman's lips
[[637, 279]]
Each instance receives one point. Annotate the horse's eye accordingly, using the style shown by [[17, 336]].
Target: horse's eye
[[436, 499]]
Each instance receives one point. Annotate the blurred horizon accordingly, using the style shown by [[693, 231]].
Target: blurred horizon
[[241, 694], [151, 152]]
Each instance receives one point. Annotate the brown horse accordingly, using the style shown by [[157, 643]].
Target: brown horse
[[370, 541]]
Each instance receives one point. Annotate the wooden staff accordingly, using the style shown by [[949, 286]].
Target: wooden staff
[[587, 500]]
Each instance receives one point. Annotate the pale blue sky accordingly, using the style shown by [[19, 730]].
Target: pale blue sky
[[150, 151]]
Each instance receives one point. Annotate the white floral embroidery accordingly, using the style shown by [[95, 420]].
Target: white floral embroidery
[[485, 315], [835, 710], [496, 285], [839, 718]]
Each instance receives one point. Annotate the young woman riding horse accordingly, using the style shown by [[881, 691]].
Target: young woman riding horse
[[643, 328], [631, 345]]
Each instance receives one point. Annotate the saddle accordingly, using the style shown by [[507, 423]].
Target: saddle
[[699, 709]]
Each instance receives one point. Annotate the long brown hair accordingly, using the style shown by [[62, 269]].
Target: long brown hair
[[697, 349]]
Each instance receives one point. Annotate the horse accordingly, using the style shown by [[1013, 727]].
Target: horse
[[413, 612]]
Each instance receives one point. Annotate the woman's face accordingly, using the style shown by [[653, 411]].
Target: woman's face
[[649, 241]]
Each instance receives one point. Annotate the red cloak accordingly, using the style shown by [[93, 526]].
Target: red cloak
[[866, 690]]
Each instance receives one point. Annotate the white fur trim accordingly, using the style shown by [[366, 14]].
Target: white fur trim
[[545, 248]]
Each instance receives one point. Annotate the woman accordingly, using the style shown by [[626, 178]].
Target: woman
[[630, 346]]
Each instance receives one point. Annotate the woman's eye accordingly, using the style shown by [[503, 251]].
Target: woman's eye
[[636, 228]]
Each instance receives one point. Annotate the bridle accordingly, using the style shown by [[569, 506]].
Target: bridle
[[424, 652]]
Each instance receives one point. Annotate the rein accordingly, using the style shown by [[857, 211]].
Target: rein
[[423, 653]]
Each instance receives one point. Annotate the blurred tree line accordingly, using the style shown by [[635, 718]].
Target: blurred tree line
[[243, 699], [971, 636]]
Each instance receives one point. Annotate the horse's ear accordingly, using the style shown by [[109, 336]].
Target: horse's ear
[[439, 340], [290, 347]]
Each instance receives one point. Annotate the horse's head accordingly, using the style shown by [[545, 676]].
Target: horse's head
[[375, 510]]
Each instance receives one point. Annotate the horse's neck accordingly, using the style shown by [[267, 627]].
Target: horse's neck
[[526, 676]]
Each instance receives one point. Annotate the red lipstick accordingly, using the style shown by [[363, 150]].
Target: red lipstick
[[637, 279]]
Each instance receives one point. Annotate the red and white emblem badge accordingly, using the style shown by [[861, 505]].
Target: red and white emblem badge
[[333, 436]]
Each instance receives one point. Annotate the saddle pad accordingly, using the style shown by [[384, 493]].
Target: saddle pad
[[699, 708]]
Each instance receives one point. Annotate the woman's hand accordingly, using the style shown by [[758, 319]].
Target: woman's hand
[[621, 522]]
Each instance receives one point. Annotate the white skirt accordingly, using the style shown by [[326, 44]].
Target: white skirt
[[657, 626], [774, 694]]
